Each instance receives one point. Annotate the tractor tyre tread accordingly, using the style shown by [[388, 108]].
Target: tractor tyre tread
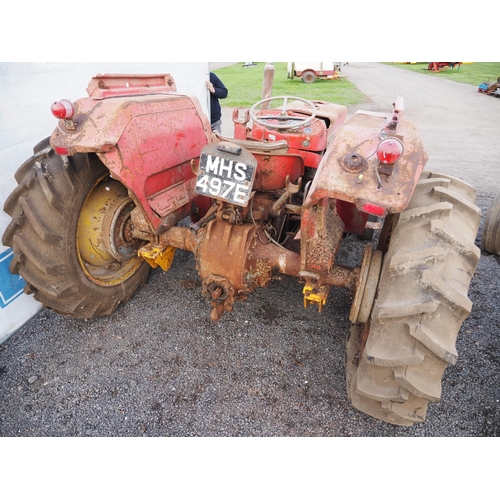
[[490, 237], [395, 368], [44, 208]]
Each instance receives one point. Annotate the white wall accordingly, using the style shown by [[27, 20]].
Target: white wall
[[27, 91]]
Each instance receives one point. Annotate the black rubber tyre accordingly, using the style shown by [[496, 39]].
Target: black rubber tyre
[[490, 237], [309, 77], [44, 234], [395, 362]]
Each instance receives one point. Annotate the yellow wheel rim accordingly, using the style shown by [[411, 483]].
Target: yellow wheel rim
[[106, 251]]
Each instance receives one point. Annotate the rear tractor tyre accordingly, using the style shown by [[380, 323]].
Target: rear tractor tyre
[[70, 234], [490, 237], [395, 361]]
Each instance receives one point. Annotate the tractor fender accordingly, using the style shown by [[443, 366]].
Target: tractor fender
[[146, 141], [349, 170]]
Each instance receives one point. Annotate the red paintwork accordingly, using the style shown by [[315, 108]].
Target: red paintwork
[[146, 141], [361, 135], [272, 171], [311, 137], [103, 86], [155, 166], [311, 158], [354, 220], [151, 137], [241, 117]]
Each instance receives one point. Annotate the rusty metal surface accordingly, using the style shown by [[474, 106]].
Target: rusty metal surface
[[232, 258], [371, 287], [158, 362], [290, 190], [223, 252], [354, 220], [395, 117], [360, 136], [273, 169], [243, 254], [173, 197], [275, 161], [101, 123], [342, 277], [335, 114], [117, 230], [147, 142], [312, 137], [366, 285], [241, 116], [152, 143], [109, 85], [360, 285], [321, 234]]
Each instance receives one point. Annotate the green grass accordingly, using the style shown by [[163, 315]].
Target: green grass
[[473, 74], [245, 86]]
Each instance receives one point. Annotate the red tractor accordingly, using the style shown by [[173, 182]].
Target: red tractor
[[133, 172]]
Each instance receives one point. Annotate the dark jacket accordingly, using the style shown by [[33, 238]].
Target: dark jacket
[[220, 93]]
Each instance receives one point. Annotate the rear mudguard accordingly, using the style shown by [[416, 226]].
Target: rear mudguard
[[349, 185], [147, 142], [359, 182]]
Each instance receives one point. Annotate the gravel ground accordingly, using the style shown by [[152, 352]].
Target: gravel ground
[[160, 367]]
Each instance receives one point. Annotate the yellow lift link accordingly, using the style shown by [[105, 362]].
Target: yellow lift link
[[157, 256], [318, 298]]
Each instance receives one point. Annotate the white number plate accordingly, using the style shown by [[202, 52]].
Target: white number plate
[[225, 179]]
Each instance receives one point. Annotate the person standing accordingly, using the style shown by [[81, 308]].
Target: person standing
[[217, 91]]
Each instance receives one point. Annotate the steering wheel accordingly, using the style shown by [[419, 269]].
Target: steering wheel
[[283, 116]]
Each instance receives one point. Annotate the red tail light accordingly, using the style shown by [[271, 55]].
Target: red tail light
[[63, 109], [390, 150]]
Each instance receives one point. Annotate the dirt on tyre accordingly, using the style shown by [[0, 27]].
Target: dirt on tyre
[[69, 234], [396, 360], [490, 236]]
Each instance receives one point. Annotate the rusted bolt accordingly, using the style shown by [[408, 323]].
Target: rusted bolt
[[127, 231]]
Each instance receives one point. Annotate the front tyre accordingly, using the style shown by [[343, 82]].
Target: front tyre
[[395, 361], [70, 234]]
